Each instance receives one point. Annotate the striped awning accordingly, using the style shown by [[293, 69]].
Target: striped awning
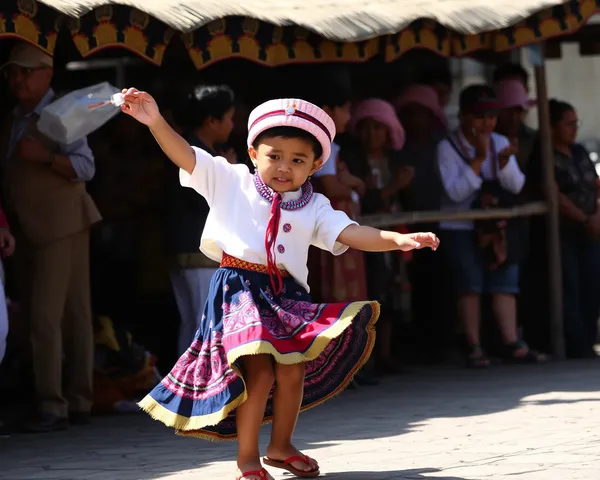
[[276, 32]]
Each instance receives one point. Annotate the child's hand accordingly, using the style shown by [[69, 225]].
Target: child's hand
[[417, 241], [141, 106]]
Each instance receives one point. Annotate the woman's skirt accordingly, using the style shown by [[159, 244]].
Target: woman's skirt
[[242, 317]]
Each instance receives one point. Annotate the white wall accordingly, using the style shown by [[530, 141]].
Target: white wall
[[576, 80]]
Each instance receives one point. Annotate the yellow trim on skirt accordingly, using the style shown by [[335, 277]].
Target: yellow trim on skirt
[[187, 426]]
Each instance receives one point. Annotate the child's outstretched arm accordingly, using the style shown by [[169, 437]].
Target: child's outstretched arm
[[142, 107], [371, 239]]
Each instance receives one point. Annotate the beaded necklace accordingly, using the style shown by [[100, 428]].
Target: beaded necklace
[[275, 199], [269, 194]]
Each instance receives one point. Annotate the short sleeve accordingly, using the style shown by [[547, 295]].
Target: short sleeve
[[211, 174], [329, 224]]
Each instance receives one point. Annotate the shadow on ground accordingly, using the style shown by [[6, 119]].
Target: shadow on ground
[[414, 474], [137, 448]]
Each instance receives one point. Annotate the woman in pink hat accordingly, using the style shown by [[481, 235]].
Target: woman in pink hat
[[514, 103], [380, 137], [337, 278], [422, 117], [263, 351]]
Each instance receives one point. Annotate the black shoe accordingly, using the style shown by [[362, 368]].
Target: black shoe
[[46, 423], [79, 418]]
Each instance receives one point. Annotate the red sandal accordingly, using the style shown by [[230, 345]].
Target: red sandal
[[287, 465], [262, 473]]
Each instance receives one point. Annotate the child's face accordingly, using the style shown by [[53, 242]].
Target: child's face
[[284, 164], [373, 135], [479, 124]]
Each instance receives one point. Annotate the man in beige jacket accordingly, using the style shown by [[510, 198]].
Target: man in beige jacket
[[50, 211]]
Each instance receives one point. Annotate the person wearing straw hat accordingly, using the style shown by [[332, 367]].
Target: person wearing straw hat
[[423, 118], [259, 327], [381, 136], [51, 214]]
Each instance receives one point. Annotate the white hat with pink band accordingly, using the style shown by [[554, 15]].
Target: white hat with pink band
[[292, 112]]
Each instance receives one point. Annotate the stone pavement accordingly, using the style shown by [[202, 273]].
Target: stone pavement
[[532, 423]]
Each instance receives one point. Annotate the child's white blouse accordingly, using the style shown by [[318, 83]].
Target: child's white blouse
[[238, 218]]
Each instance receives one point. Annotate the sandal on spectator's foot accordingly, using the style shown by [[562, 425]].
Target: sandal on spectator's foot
[[262, 473], [528, 355], [287, 465], [477, 358]]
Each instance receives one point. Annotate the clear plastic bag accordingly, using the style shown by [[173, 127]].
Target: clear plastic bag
[[80, 112]]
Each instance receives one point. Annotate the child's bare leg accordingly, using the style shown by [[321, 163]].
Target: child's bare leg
[[259, 377], [289, 387]]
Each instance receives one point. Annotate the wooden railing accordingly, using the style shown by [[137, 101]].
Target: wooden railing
[[405, 218]]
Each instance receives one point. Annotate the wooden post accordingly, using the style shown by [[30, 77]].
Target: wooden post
[[553, 232]]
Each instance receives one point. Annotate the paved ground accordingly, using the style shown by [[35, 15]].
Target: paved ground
[[533, 423]]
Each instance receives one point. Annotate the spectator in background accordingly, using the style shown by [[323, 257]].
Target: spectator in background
[[579, 194], [50, 213], [477, 165], [205, 116], [338, 278], [381, 136], [506, 77], [423, 120], [511, 71], [514, 105]]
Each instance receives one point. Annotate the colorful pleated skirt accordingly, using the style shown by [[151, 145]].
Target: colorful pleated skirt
[[242, 317]]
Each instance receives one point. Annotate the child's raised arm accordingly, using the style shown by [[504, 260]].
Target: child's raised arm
[[142, 107]]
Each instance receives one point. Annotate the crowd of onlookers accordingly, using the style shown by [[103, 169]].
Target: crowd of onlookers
[[73, 276]]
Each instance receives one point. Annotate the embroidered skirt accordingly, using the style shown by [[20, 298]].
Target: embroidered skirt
[[242, 317]]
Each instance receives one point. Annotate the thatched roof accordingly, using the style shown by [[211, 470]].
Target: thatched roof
[[343, 20]]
